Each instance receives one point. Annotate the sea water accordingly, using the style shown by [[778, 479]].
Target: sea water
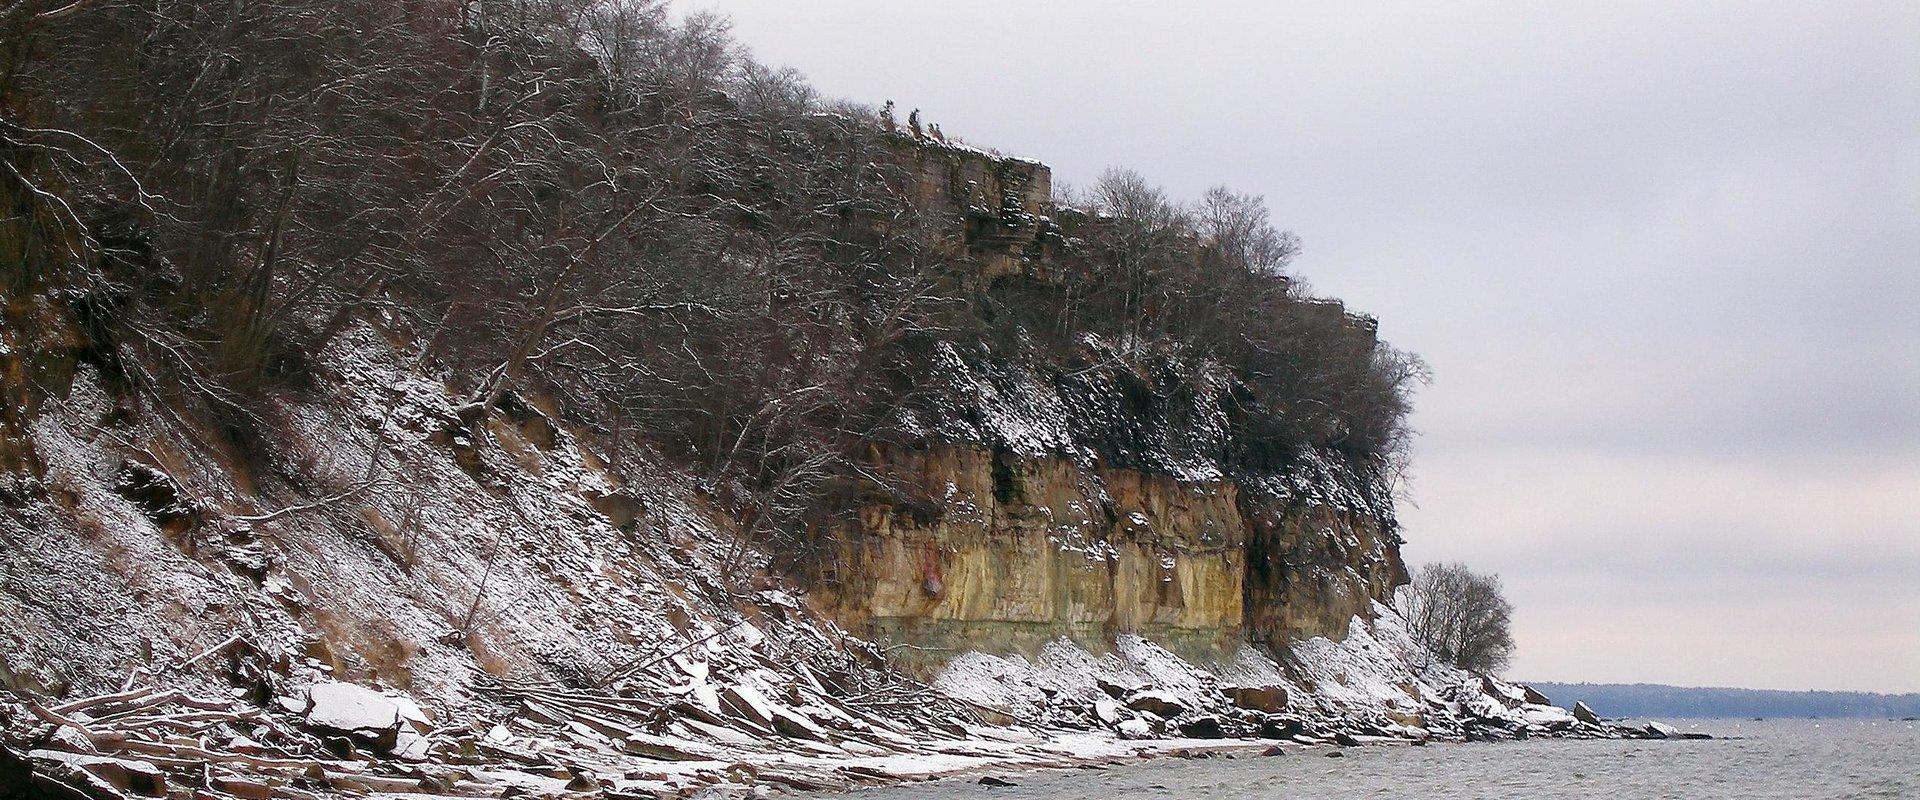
[[1758, 760]]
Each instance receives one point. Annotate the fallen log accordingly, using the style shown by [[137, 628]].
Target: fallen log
[[86, 703]]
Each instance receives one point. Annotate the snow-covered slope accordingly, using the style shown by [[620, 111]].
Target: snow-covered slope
[[529, 613], [1374, 682]]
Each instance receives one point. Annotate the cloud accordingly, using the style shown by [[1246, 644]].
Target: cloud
[[1611, 559], [1757, 638], [1549, 512]]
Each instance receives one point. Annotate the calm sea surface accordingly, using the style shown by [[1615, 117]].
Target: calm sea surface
[[1787, 759]]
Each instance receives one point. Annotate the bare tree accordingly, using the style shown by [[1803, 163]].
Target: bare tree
[[1237, 231], [1142, 240], [1460, 616]]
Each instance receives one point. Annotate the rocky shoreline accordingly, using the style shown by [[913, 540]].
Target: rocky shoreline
[[345, 740]]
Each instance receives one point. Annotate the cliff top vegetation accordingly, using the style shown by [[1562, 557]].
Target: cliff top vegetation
[[619, 213]]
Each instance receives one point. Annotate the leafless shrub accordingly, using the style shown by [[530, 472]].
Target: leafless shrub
[[1460, 616]]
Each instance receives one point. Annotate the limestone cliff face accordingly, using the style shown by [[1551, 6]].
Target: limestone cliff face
[[1002, 208], [1039, 506], [1312, 567], [999, 552]]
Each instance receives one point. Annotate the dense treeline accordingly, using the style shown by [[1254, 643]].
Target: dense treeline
[[689, 251]]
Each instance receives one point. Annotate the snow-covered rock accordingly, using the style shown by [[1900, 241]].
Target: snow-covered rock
[[1269, 698], [1552, 717], [1163, 703], [127, 775], [345, 709]]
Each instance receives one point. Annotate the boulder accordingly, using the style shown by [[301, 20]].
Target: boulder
[[1115, 688], [661, 748], [126, 775], [746, 702], [412, 715], [1584, 714], [1260, 698], [1281, 726], [410, 746], [1135, 729], [1165, 704], [1551, 718], [1503, 693], [795, 724], [1205, 726], [1528, 694], [362, 715], [72, 740], [1659, 730], [1407, 719], [1484, 707]]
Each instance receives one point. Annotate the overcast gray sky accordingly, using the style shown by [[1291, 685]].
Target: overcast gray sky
[[1664, 259]]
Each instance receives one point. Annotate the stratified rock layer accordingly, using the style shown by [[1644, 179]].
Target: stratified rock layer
[[1002, 553]]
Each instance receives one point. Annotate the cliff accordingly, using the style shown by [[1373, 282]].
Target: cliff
[[1000, 551], [1032, 505], [682, 432], [1020, 507]]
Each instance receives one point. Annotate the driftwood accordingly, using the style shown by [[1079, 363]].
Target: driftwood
[[84, 704], [593, 741], [735, 704]]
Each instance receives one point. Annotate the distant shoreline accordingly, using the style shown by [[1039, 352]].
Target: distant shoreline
[[1702, 702]]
